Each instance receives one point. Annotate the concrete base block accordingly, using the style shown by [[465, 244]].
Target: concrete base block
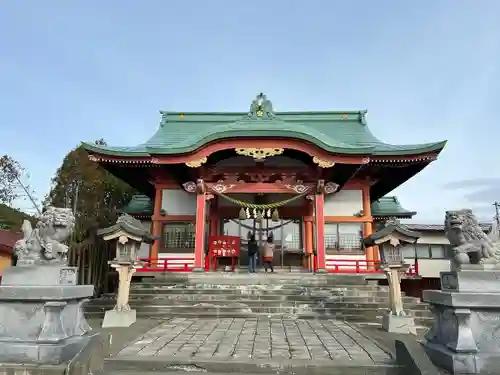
[[463, 363], [399, 324], [114, 318], [40, 275]]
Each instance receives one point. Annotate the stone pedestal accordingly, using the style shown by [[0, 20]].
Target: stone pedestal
[[396, 320], [399, 324], [41, 315], [465, 338], [122, 315]]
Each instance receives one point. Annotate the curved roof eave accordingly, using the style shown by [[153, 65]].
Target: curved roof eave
[[381, 149]]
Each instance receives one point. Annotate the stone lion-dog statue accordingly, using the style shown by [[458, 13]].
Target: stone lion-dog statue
[[43, 245], [470, 244]]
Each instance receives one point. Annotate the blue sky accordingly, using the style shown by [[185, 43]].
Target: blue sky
[[426, 71]]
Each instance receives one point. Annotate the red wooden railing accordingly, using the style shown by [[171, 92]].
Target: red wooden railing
[[363, 267], [166, 265], [347, 266]]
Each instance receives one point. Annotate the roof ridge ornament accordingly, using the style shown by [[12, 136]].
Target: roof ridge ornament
[[362, 116], [261, 108]]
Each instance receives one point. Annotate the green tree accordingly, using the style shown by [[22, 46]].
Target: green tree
[[95, 195], [11, 189], [10, 175]]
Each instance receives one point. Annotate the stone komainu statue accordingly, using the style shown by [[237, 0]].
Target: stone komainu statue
[[470, 244], [43, 245]]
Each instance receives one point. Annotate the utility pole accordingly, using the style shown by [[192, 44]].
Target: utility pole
[[497, 212]]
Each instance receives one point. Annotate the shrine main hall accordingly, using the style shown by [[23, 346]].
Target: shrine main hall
[[313, 179]]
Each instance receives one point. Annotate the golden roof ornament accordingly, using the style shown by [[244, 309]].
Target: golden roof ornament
[[261, 108]]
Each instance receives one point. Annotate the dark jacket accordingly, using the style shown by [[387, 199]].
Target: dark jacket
[[253, 247]]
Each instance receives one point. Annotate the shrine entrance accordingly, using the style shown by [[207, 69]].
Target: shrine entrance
[[288, 235]]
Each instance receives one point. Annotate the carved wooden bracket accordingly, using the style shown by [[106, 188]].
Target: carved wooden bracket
[[189, 186], [298, 186], [221, 187], [330, 188]]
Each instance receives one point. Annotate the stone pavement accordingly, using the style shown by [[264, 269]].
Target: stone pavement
[[226, 339]]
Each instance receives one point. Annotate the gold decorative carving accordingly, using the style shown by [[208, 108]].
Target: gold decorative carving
[[259, 153], [155, 161], [196, 163], [331, 187], [220, 187], [189, 186], [297, 186], [93, 158], [323, 163]]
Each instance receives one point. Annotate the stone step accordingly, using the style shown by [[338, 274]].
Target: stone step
[[257, 304], [262, 278], [256, 286], [257, 282], [170, 365], [247, 291], [146, 297], [353, 318], [367, 312]]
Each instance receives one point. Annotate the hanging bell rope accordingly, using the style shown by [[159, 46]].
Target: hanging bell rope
[[261, 207], [260, 211], [270, 229]]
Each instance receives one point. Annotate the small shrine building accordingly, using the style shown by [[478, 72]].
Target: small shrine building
[[316, 180]]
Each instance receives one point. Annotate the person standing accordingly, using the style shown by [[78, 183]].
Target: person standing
[[268, 253], [253, 249]]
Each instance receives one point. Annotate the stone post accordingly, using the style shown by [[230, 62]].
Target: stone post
[[122, 315], [128, 233], [390, 239], [396, 319]]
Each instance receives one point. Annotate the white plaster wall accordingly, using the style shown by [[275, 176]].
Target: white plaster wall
[[434, 238], [344, 203], [144, 249], [431, 267], [178, 202]]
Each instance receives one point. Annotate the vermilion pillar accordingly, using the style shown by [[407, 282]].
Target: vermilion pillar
[[156, 229], [371, 256], [309, 238], [319, 209], [199, 245]]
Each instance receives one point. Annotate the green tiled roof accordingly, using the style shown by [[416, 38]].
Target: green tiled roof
[[129, 225], [387, 230], [139, 205], [343, 132], [389, 206]]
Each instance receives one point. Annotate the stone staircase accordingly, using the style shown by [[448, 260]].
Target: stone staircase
[[307, 296]]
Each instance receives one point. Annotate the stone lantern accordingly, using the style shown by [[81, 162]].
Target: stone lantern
[[390, 241], [129, 234]]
